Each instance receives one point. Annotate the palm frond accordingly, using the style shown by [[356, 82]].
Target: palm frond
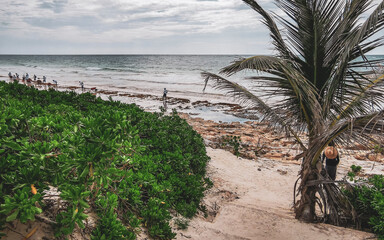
[[256, 63], [324, 83], [299, 94], [246, 97], [373, 24], [346, 132], [360, 98], [351, 40], [278, 41]]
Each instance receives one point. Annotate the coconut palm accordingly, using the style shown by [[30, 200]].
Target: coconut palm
[[323, 87]]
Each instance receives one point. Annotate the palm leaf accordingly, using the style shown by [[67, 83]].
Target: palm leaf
[[361, 96], [278, 41], [261, 63], [246, 97], [362, 129], [325, 84], [350, 42]]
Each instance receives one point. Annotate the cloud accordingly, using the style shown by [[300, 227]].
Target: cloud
[[55, 5], [118, 21], [129, 24]]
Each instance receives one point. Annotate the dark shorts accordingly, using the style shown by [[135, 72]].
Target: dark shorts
[[331, 170]]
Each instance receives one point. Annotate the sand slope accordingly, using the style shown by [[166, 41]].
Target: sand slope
[[252, 199]]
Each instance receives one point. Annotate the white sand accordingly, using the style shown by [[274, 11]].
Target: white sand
[[253, 200]]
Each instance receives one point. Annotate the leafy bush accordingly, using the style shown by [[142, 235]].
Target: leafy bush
[[355, 171], [368, 200], [21, 206], [89, 149], [233, 142], [109, 227]]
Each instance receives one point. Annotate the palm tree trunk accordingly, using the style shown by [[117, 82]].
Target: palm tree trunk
[[305, 207]]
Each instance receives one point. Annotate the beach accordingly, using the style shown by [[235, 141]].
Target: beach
[[252, 194], [199, 119]]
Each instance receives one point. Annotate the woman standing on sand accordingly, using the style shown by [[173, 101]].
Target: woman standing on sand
[[332, 160], [165, 98]]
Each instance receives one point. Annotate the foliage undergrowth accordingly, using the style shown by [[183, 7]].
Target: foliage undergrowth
[[233, 142], [131, 167], [367, 197]]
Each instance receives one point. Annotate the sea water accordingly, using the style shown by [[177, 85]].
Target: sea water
[[148, 74], [134, 73]]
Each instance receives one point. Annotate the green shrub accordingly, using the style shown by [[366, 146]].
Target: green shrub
[[109, 226], [355, 170], [89, 148], [21, 205], [233, 142], [368, 200]]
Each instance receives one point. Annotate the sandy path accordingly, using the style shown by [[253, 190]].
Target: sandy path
[[252, 200]]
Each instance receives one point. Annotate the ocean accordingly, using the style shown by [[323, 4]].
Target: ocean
[[131, 74], [136, 74]]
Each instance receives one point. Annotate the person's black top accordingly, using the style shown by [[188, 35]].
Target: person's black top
[[331, 162]]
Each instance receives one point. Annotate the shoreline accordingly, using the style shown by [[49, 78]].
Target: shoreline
[[209, 106]]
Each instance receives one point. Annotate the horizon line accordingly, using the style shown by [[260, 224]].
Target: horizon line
[[122, 54], [138, 54]]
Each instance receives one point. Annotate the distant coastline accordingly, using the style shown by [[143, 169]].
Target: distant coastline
[[135, 75]]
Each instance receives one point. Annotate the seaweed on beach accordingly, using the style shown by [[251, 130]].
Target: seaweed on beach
[[132, 168]]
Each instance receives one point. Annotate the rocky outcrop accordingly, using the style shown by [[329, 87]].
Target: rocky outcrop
[[254, 139]]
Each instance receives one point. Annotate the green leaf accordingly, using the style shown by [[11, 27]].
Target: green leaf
[[80, 223], [74, 214], [85, 172], [84, 204], [38, 210], [13, 216], [85, 194], [83, 215], [13, 145]]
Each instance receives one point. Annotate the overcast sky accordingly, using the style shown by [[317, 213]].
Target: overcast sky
[[133, 27]]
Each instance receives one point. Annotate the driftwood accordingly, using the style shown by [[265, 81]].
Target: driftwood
[[45, 220]]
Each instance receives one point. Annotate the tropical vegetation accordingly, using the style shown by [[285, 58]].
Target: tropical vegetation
[[132, 168], [367, 198], [318, 87]]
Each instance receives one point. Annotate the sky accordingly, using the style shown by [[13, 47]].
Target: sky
[[134, 27]]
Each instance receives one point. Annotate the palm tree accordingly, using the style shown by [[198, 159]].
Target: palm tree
[[323, 85]]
